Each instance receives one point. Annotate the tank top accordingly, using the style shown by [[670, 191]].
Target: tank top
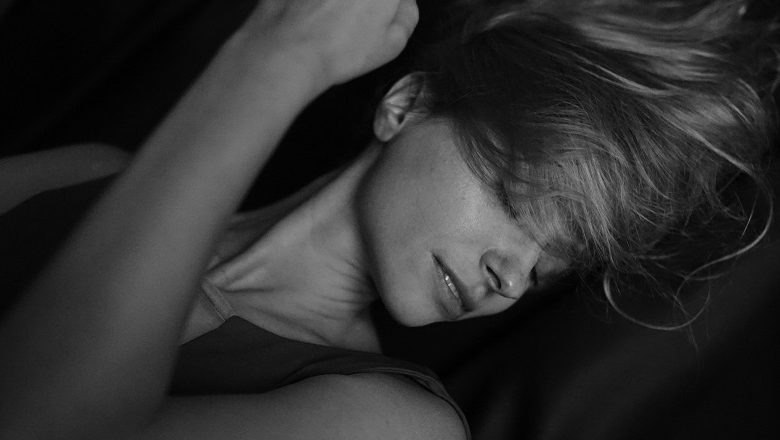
[[236, 357], [239, 357]]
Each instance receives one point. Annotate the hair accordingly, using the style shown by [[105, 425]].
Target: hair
[[608, 127]]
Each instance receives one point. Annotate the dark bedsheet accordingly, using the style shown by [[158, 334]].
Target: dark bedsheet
[[558, 366]]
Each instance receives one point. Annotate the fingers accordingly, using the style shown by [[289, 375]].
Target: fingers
[[344, 38]]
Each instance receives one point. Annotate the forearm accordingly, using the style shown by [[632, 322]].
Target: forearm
[[88, 351], [98, 329]]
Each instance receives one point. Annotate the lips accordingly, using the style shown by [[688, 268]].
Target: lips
[[457, 302]]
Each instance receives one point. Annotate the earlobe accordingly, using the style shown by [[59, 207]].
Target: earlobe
[[394, 110]]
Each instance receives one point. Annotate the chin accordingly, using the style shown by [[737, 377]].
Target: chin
[[411, 315], [412, 322], [403, 295]]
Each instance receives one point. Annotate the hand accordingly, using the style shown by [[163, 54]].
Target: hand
[[338, 39]]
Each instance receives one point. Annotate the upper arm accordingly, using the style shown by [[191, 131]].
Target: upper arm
[[363, 406]]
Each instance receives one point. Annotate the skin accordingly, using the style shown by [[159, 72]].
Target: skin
[[88, 351], [422, 213], [421, 205], [26, 175], [386, 227]]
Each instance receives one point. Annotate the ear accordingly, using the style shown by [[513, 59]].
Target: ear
[[393, 111]]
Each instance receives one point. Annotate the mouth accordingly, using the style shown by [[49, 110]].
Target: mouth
[[457, 306]]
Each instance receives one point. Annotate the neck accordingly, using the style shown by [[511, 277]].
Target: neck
[[304, 277]]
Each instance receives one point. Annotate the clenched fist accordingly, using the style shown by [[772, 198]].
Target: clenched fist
[[339, 39]]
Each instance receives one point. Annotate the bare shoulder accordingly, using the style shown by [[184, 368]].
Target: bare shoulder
[[399, 405], [360, 406]]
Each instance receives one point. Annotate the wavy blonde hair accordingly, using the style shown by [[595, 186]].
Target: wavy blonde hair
[[608, 127]]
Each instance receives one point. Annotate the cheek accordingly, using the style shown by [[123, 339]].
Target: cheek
[[403, 217], [390, 221], [409, 207], [389, 214]]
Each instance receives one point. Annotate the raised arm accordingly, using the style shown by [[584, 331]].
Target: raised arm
[[88, 351]]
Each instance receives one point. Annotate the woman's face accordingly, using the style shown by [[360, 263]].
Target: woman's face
[[440, 245]]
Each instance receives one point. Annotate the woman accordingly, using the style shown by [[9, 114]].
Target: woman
[[475, 191]]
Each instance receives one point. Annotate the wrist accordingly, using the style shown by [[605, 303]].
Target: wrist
[[264, 59]]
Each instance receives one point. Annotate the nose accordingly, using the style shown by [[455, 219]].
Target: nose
[[508, 275]]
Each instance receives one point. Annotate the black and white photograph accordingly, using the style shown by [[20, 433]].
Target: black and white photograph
[[389, 219]]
